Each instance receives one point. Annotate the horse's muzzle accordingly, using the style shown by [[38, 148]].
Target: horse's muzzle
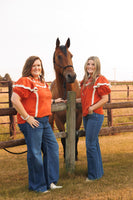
[[70, 78]]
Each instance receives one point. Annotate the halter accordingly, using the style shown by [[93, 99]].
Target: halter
[[64, 84], [64, 51], [64, 67]]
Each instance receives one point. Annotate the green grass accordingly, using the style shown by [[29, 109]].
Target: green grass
[[116, 184]]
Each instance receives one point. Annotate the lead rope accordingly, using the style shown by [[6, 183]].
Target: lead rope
[[14, 152], [64, 85]]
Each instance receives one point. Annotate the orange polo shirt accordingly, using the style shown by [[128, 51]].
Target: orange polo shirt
[[35, 97], [91, 94]]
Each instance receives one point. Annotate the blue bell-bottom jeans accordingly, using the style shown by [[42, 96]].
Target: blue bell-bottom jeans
[[42, 155], [92, 125]]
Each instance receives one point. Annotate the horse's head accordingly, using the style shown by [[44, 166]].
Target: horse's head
[[63, 64]]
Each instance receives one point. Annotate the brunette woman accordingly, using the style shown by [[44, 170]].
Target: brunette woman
[[32, 99]]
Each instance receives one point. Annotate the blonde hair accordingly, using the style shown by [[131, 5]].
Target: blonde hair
[[96, 72], [26, 72]]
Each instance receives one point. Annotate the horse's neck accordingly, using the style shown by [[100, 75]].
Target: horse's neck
[[62, 85]]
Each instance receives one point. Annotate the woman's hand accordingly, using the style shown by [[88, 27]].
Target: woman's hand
[[78, 100], [33, 122], [90, 111], [101, 102], [58, 100], [16, 100]]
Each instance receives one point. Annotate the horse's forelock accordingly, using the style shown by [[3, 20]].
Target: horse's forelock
[[63, 49]]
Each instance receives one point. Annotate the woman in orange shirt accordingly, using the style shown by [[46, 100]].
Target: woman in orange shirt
[[32, 99], [94, 94]]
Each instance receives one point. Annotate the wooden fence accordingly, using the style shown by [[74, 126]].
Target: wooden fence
[[70, 125]]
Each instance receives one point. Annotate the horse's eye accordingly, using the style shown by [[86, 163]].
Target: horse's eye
[[59, 57]]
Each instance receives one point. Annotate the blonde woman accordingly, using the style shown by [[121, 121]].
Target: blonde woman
[[94, 94]]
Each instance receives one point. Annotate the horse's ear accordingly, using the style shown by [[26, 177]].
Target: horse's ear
[[68, 43], [57, 42]]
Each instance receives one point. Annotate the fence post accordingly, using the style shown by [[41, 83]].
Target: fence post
[[71, 128], [109, 112], [128, 92], [12, 117]]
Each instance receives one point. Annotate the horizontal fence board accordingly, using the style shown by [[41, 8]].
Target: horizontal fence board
[[118, 105], [58, 107], [105, 131], [7, 111], [62, 106], [12, 143], [12, 111], [111, 130]]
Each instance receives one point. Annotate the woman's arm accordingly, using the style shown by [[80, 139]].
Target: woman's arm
[[16, 100], [78, 100], [100, 103]]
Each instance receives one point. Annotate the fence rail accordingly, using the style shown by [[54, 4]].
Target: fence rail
[[11, 112], [63, 106]]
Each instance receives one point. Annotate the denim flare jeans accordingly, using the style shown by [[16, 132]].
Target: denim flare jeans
[[92, 125], [42, 155]]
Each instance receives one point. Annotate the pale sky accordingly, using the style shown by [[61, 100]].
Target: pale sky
[[100, 28]]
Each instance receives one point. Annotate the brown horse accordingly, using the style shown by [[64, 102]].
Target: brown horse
[[65, 81]]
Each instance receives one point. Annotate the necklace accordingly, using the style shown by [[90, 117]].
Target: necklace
[[89, 82]]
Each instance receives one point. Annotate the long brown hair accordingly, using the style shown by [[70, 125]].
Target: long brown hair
[[96, 72], [26, 72]]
